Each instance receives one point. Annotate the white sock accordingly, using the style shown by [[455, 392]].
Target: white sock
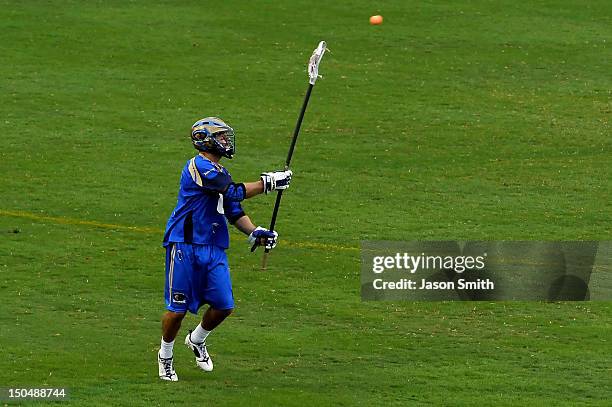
[[166, 349], [199, 334]]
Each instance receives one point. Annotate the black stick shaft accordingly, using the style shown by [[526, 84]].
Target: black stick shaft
[[296, 133]]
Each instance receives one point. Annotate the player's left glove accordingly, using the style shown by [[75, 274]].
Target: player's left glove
[[276, 180], [263, 237]]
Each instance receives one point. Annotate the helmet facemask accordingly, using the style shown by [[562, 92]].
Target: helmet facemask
[[224, 143], [213, 135]]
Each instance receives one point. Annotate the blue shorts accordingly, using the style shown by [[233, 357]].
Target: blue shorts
[[197, 275]]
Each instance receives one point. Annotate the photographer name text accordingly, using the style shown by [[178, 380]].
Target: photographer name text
[[407, 284]]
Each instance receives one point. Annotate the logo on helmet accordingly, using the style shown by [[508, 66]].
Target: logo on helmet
[[213, 135]]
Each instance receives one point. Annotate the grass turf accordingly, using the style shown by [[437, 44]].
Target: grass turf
[[465, 120]]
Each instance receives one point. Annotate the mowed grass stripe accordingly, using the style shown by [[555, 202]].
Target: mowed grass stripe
[[70, 221], [60, 220]]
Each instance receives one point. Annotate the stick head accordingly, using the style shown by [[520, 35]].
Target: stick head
[[315, 59]]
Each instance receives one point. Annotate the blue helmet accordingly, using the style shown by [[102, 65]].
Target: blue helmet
[[213, 135]]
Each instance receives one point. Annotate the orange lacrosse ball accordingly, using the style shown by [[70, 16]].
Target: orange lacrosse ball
[[376, 20]]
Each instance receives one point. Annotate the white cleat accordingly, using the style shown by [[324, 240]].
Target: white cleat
[[202, 358], [166, 369]]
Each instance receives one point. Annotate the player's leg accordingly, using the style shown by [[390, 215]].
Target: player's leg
[[210, 320], [177, 295], [216, 290], [213, 317], [171, 323]]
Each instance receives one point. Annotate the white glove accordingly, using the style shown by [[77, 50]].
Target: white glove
[[276, 180], [268, 237]]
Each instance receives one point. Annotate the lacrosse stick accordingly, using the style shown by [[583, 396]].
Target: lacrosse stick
[[313, 74]]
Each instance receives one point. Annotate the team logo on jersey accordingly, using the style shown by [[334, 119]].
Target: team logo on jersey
[[179, 298]]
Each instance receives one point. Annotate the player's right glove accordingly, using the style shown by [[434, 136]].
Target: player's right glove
[[276, 180], [263, 237]]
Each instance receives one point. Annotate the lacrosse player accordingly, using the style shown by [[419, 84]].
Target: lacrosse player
[[197, 270]]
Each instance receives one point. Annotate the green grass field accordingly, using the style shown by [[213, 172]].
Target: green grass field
[[452, 120]]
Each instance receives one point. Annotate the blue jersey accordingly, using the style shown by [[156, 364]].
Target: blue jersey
[[207, 199]]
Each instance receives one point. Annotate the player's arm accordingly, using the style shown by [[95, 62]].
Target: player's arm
[[221, 182], [245, 225], [236, 216], [253, 188], [257, 234], [269, 181]]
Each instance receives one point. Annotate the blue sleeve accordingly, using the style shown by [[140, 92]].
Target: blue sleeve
[[233, 211], [206, 175], [235, 192]]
